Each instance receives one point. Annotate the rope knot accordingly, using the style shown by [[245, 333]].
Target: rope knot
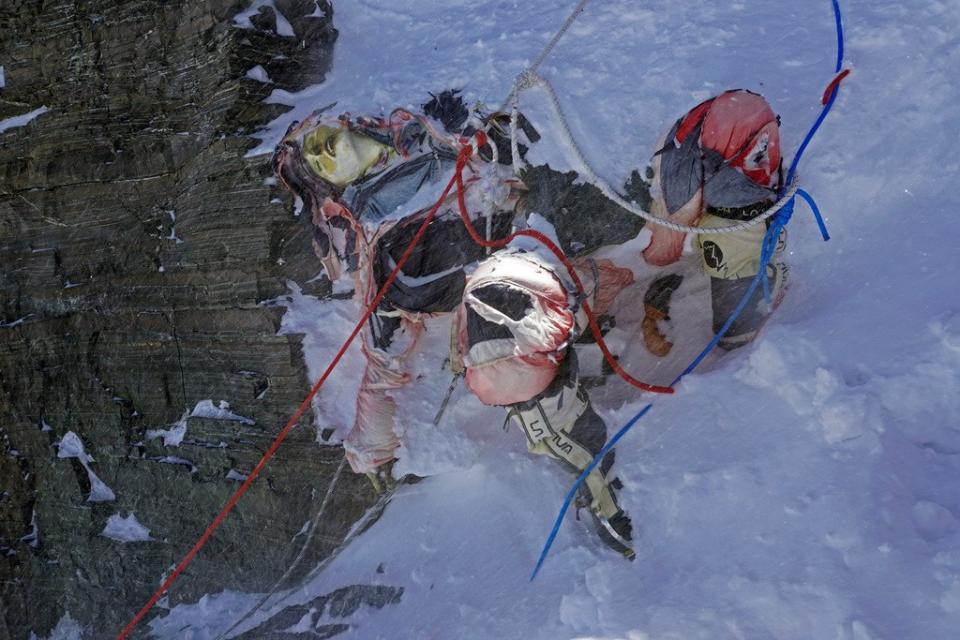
[[783, 216], [527, 79]]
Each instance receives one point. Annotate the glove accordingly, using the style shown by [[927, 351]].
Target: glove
[[653, 338]]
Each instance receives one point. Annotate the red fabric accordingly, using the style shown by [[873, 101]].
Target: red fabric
[[512, 380], [690, 121], [736, 122], [612, 280], [834, 84], [743, 129]]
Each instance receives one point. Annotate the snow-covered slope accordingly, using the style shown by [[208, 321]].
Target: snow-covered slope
[[805, 487]]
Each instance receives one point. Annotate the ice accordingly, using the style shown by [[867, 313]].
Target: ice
[[125, 529], [221, 411], [70, 446], [259, 74], [19, 121]]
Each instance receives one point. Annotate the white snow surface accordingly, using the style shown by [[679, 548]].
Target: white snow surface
[[126, 529], [70, 446], [259, 74], [22, 119], [805, 486], [220, 411]]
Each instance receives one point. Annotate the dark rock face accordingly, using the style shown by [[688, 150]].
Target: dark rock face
[[339, 604], [137, 246]]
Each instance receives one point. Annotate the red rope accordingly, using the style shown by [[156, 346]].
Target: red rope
[[461, 161], [555, 250], [457, 179], [833, 86]]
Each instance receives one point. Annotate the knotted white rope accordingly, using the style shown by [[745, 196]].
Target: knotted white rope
[[529, 78]]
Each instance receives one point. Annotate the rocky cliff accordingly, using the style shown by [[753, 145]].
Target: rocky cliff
[[141, 371], [137, 247]]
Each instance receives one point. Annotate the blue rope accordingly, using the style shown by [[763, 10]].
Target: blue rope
[[816, 213], [808, 138], [766, 252], [836, 15], [576, 485], [826, 107], [769, 246]]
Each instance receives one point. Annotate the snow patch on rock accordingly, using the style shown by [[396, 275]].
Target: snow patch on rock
[[126, 529], [173, 436], [70, 446], [22, 119], [221, 411]]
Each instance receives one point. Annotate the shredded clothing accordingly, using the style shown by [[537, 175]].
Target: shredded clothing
[[516, 314]]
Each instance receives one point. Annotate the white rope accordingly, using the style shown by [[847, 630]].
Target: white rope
[[529, 78], [632, 208], [514, 145], [314, 525], [546, 51]]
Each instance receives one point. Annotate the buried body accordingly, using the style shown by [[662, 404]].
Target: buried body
[[368, 184]]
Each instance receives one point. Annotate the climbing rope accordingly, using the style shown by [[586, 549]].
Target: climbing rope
[[561, 256], [462, 158], [529, 78], [525, 80], [546, 52], [314, 525]]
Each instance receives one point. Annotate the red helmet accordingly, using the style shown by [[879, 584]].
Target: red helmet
[[737, 138]]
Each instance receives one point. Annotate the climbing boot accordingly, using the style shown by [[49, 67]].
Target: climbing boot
[[617, 533], [383, 482], [562, 424], [757, 312]]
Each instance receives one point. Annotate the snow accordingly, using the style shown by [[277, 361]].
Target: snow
[[242, 20], [183, 462], [802, 487], [14, 323], [173, 436], [67, 629], [70, 446], [32, 538], [259, 74], [22, 119], [233, 474], [126, 529], [322, 325], [206, 409], [318, 12]]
